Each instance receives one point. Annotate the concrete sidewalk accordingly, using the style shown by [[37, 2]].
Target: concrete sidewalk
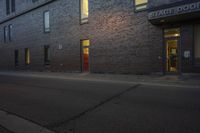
[[183, 80]]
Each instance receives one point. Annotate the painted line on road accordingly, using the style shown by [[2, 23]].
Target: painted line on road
[[17, 124], [166, 84]]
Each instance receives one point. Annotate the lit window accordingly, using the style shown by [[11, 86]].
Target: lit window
[[175, 32], [27, 56], [197, 44], [86, 43], [84, 11], [46, 22], [140, 5], [46, 55]]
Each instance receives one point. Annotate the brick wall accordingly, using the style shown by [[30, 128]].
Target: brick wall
[[122, 41]]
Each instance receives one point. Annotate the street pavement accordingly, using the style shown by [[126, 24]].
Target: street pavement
[[3, 130], [100, 106]]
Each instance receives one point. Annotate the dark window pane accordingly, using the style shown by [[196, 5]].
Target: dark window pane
[[7, 7], [34, 1], [47, 55], [16, 57], [5, 34], [10, 32], [12, 5]]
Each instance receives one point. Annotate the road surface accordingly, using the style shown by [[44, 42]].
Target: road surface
[[80, 106]]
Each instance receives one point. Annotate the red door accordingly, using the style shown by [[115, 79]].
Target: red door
[[86, 59], [85, 55]]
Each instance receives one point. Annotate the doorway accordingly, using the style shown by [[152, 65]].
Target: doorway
[[85, 55], [172, 55], [172, 37]]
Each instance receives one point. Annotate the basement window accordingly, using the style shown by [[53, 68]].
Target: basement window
[[47, 55], [5, 34], [140, 5], [16, 58], [27, 56]]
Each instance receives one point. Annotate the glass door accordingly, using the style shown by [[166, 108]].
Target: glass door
[[171, 37], [172, 55]]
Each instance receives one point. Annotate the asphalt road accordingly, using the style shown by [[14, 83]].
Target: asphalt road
[[3, 130], [77, 106]]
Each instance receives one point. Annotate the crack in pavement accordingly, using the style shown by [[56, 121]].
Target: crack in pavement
[[17, 124], [5, 129], [57, 124]]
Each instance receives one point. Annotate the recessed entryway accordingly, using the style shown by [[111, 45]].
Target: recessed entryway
[[172, 55], [171, 37]]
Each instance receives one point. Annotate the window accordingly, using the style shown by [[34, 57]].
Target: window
[[7, 7], [16, 58], [174, 32], [84, 11], [10, 6], [34, 1], [140, 5], [5, 34], [197, 44], [46, 22], [10, 32], [46, 55], [27, 56]]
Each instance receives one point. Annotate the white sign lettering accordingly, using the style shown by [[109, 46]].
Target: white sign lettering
[[187, 8]]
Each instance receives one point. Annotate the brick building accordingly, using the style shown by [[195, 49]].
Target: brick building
[[104, 36]]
